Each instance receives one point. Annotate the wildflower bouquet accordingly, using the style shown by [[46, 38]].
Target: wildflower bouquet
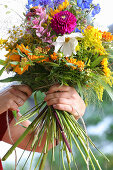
[[55, 44]]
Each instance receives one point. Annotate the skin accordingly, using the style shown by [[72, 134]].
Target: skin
[[61, 97]]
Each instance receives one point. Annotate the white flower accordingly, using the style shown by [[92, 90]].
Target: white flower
[[67, 43]]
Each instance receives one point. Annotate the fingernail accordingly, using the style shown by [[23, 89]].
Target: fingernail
[[54, 105]]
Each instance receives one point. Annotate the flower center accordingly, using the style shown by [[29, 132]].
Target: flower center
[[67, 39], [63, 16]]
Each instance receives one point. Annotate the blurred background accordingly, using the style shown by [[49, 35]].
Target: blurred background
[[98, 119]]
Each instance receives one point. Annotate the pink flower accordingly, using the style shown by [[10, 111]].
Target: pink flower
[[41, 12], [63, 22]]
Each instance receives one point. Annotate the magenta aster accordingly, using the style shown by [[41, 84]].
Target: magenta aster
[[63, 22]]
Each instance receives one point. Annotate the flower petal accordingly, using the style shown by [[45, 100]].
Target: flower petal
[[66, 49], [57, 46]]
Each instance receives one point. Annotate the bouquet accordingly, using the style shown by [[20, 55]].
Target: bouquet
[[58, 44]]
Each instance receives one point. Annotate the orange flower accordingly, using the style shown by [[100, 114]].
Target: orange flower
[[44, 59], [107, 36], [35, 57], [23, 49], [80, 65], [12, 56], [20, 70], [54, 56], [71, 60]]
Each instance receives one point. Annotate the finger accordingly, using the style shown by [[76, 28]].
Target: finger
[[19, 101], [57, 95], [13, 106], [57, 87], [24, 88], [67, 108], [59, 101], [19, 94], [13, 98]]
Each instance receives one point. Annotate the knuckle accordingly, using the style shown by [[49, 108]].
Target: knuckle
[[59, 100], [73, 95], [20, 101], [12, 90], [28, 89], [10, 101]]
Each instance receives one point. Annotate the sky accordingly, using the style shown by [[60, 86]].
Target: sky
[[103, 20]]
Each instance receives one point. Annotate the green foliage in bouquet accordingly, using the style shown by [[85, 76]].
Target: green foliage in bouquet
[[55, 45]]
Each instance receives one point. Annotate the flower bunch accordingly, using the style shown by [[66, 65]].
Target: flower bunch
[[55, 44]]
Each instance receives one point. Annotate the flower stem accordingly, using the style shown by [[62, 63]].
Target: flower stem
[[61, 130], [23, 135]]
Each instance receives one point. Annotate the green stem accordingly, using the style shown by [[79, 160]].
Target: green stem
[[42, 164], [76, 143], [23, 135], [63, 159]]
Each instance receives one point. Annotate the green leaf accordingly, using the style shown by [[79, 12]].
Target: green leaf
[[14, 62], [8, 12], [2, 70], [20, 53], [5, 6], [97, 61], [80, 88], [2, 62], [10, 79], [30, 53], [14, 113], [52, 64]]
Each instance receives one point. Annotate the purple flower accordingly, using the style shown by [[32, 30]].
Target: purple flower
[[77, 30], [84, 3], [46, 2], [96, 10], [57, 2], [63, 22], [32, 3]]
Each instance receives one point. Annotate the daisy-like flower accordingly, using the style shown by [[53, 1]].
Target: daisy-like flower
[[67, 43]]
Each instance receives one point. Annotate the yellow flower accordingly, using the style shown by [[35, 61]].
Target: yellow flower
[[93, 38], [2, 41], [106, 70], [77, 48], [104, 62], [60, 8]]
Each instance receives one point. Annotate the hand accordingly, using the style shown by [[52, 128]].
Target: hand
[[14, 97], [66, 98]]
